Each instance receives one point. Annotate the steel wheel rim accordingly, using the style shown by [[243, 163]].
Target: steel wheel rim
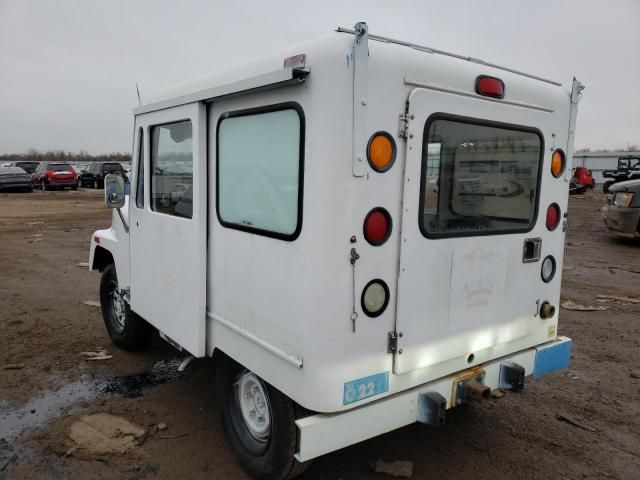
[[254, 405], [118, 307]]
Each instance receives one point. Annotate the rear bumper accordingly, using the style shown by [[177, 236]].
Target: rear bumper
[[16, 185], [621, 220], [61, 183], [324, 433]]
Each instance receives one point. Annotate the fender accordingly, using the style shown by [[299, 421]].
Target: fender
[[112, 245]]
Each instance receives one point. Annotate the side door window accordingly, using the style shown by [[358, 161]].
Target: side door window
[[260, 170], [171, 166]]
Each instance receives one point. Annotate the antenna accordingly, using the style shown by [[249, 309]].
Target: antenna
[[138, 90]]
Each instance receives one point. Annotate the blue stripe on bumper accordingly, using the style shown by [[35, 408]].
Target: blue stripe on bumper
[[552, 356]]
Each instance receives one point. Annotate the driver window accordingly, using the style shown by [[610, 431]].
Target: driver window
[[172, 169]]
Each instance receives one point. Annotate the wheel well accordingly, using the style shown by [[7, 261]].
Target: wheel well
[[101, 259]]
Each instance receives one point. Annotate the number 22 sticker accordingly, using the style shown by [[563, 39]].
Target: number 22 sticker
[[366, 387]]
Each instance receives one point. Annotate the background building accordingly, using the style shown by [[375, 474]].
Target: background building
[[599, 161]]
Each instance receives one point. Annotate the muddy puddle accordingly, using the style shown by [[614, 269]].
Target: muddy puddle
[[49, 404]]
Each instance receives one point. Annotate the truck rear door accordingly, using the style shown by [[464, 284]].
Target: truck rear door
[[471, 200]]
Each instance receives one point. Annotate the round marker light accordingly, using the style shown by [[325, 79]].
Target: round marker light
[[553, 216], [377, 226], [548, 270], [557, 162], [375, 298], [381, 151]]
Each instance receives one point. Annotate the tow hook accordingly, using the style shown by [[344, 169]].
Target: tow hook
[[470, 388]]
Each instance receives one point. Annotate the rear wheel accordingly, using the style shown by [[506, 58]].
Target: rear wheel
[[126, 329], [259, 422], [606, 185]]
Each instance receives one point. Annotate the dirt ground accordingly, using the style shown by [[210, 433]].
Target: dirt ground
[[44, 327]]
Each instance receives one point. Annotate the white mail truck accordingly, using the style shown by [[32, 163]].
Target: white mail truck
[[361, 231]]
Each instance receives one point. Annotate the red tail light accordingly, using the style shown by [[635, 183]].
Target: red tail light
[[49, 173], [489, 86], [377, 226], [553, 216]]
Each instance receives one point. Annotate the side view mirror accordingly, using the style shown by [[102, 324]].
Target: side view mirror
[[114, 191]]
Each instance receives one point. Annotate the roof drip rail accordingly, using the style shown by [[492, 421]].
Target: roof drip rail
[[266, 81], [426, 49]]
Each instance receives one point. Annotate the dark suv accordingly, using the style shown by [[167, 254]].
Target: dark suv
[[27, 166], [94, 175], [50, 175]]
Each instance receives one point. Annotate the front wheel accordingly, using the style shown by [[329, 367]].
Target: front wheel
[[258, 422], [126, 329]]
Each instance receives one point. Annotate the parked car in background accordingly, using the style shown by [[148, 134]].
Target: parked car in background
[[27, 166], [628, 169], [15, 178], [622, 213], [583, 178], [94, 175], [51, 175]]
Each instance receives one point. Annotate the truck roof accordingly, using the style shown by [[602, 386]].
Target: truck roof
[[409, 56]]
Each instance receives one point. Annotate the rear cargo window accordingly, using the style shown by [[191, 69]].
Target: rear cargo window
[[113, 168], [60, 167], [172, 169], [260, 155], [478, 178]]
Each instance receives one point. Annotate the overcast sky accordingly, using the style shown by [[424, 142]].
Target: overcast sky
[[68, 69]]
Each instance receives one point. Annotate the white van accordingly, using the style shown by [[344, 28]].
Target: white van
[[363, 232]]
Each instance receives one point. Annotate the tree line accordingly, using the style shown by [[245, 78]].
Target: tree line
[[33, 155], [629, 148]]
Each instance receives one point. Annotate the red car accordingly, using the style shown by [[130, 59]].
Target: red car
[[582, 176], [50, 175]]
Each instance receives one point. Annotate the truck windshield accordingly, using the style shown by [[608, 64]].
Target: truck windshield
[[478, 178]]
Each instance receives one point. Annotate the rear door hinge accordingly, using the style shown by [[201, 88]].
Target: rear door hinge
[[392, 341], [403, 130]]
